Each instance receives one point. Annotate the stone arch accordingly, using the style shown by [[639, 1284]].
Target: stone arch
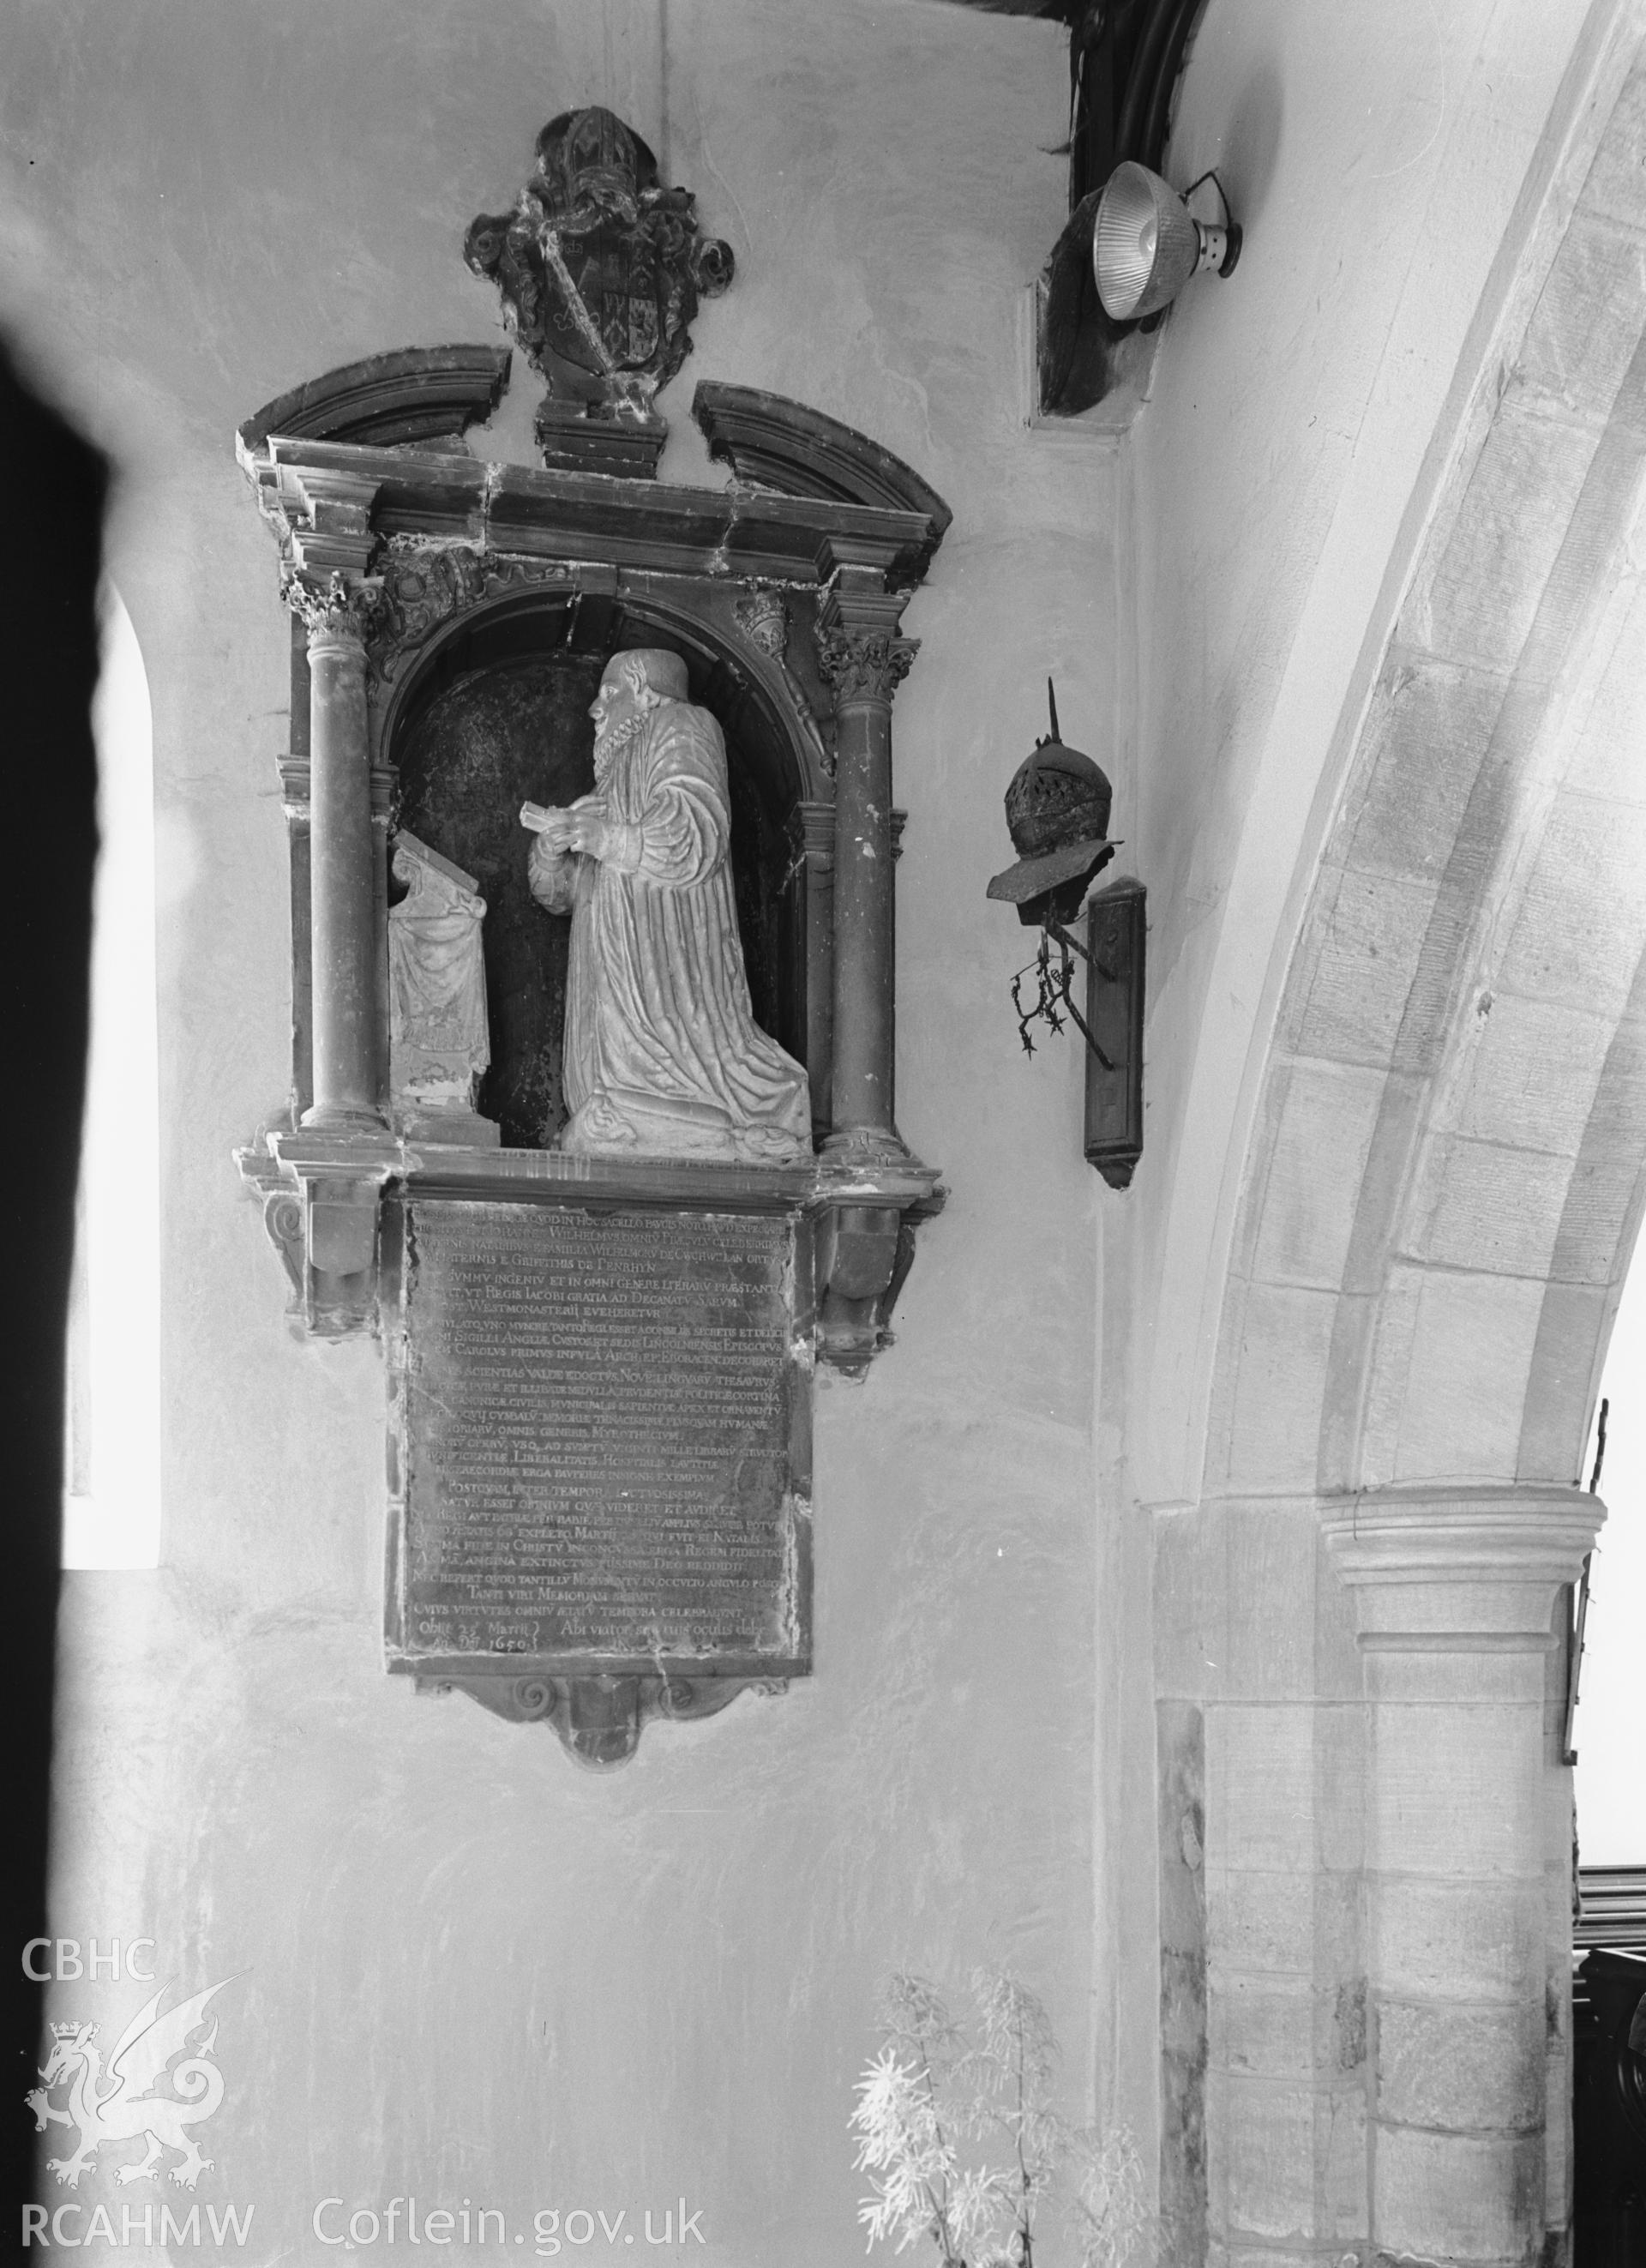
[[1460, 1032], [1367, 1985]]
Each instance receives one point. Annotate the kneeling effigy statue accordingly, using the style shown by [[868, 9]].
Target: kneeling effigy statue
[[662, 1051]]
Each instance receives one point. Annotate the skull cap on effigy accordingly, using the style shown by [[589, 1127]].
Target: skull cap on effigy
[[664, 670]]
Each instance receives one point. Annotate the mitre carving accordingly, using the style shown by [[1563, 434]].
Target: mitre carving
[[600, 269]]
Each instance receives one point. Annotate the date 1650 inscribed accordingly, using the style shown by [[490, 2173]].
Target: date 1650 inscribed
[[602, 1438]]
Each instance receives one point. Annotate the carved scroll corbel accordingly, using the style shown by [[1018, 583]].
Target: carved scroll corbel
[[320, 1204], [858, 1253], [281, 1206], [864, 1253], [600, 1719]]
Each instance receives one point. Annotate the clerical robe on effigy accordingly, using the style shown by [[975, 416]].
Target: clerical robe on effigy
[[662, 1051]]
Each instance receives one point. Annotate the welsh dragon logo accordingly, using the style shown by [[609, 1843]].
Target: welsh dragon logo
[[116, 2105]]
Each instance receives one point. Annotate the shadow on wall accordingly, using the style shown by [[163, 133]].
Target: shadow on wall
[[1250, 144], [48, 615]]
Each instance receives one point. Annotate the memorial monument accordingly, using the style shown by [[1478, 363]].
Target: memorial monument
[[662, 1053], [601, 1330]]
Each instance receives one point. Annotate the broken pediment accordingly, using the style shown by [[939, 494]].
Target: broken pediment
[[407, 398]]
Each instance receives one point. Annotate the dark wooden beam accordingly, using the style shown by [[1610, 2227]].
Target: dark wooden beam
[[1056, 12]]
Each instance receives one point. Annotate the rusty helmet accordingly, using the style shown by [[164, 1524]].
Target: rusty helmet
[[1057, 810]]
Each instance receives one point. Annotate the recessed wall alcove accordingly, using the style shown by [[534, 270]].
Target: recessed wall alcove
[[497, 713]]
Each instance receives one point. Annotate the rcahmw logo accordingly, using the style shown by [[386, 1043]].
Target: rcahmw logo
[[139, 2224], [104, 2105]]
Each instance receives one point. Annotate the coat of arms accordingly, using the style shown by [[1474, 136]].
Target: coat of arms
[[600, 269], [117, 2103]]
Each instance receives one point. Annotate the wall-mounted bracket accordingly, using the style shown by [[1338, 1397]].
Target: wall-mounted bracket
[[1124, 65], [321, 1195], [1116, 928], [283, 1215]]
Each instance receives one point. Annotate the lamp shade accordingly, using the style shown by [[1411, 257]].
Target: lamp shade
[[1147, 244]]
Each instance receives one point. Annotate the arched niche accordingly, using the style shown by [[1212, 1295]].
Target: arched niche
[[494, 712]]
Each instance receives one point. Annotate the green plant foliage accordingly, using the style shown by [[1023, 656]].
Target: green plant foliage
[[961, 2141]]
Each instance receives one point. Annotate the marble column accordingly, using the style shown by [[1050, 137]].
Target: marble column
[[812, 834], [343, 915], [1455, 1589], [863, 660]]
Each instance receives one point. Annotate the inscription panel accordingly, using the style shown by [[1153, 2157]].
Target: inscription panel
[[601, 1429]]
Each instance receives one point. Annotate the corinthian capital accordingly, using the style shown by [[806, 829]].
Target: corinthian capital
[[341, 608], [863, 664]]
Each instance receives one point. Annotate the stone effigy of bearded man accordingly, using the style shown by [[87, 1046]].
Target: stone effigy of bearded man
[[662, 1052]]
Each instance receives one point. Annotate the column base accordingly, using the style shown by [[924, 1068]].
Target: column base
[[343, 1118], [865, 1145]]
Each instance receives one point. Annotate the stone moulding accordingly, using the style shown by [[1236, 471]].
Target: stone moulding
[[1472, 1564], [781, 445], [723, 535], [404, 399], [868, 1214]]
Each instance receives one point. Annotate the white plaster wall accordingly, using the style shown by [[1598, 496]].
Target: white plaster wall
[[464, 1968]]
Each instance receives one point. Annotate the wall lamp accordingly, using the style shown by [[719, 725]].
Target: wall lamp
[[1057, 813], [1146, 244]]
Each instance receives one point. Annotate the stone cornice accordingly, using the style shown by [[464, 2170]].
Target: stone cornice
[[582, 517], [1455, 1563], [519, 1175]]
